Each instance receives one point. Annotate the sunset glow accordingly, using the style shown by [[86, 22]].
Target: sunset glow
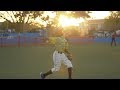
[[99, 14], [65, 21]]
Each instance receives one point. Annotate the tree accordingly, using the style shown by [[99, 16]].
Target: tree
[[17, 19], [4, 25], [91, 32], [112, 22], [78, 14], [74, 14], [54, 23]]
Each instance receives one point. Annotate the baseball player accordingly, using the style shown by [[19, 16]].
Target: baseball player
[[60, 55], [113, 39]]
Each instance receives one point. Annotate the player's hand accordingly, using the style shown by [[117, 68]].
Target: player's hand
[[69, 56]]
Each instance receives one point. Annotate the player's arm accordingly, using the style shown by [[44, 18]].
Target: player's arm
[[68, 54], [67, 51]]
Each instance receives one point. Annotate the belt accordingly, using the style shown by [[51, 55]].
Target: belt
[[60, 52]]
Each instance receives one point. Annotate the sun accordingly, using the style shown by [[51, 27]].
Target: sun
[[65, 21]]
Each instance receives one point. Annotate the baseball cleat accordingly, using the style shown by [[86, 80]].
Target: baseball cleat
[[42, 76]]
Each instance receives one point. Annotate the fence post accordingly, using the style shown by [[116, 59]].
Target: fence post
[[24, 40], [35, 41], [1, 42], [19, 40]]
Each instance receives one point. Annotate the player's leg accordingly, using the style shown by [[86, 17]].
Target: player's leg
[[114, 42], [70, 72], [56, 61], [69, 65], [43, 75], [47, 73], [57, 64]]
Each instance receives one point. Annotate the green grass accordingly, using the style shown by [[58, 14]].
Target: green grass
[[90, 61]]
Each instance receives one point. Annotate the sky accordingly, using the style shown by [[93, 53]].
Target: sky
[[65, 21], [99, 14]]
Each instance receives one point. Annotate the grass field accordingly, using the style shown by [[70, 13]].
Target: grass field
[[90, 61]]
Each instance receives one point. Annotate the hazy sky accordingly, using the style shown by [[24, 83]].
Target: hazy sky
[[99, 14]]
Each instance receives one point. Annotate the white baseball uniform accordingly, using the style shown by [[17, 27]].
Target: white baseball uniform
[[59, 56]]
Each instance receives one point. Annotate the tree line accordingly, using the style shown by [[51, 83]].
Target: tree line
[[21, 19], [25, 20]]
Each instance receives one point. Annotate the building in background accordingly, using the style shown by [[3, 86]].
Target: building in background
[[97, 24]]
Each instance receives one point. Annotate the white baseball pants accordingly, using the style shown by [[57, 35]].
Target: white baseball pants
[[58, 59]]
